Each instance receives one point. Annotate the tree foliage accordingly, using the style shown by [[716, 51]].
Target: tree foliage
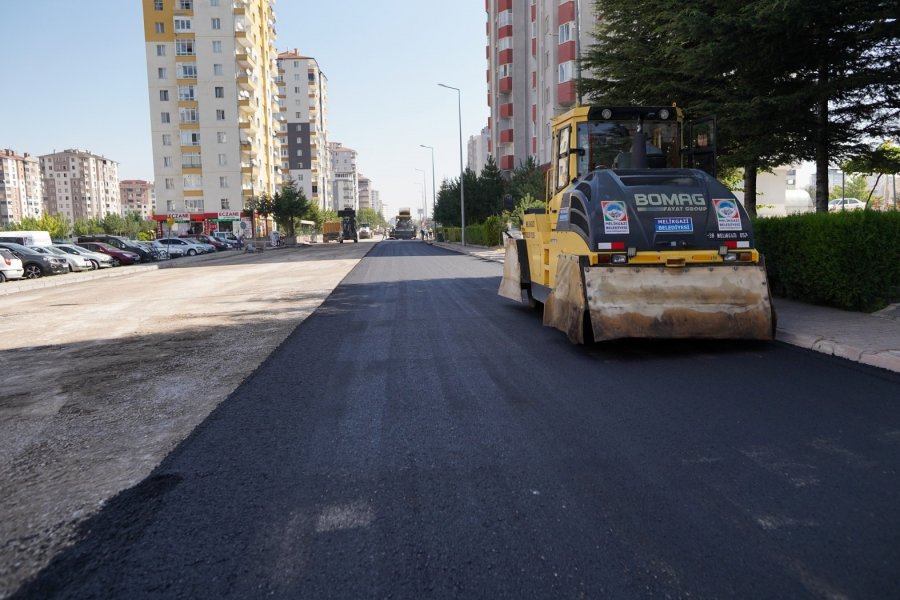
[[289, 205], [820, 81]]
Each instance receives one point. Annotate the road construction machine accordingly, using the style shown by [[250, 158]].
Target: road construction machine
[[637, 238], [404, 229], [348, 225]]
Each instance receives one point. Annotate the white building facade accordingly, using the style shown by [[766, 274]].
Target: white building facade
[[21, 187], [344, 185], [80, 185]]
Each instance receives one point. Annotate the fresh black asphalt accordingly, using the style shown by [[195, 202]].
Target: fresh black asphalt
[[421, 437]]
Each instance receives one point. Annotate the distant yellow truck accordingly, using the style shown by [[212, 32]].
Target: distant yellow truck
[[331, 231]]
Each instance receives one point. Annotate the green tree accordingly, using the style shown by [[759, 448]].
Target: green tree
[[885, 159], [113, 224], [289, 205], [56, 225], [527, 180]]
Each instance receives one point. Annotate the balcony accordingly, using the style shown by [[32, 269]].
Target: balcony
[[506, 136], [505, 85]]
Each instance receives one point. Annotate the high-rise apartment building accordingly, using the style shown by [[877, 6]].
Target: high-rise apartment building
[[21, 188], [303, 104], [80, 185], [344, 184], [365, 191], [211, 71], [533, 47], [477, 150], [137, 197]]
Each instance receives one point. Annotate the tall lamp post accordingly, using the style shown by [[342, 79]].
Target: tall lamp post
[[424, 201], [433, 189], [462, 172]]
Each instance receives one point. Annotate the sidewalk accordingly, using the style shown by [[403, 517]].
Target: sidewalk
[[871, 339]]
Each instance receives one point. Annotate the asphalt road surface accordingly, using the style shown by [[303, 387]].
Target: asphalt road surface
[[419, 437]]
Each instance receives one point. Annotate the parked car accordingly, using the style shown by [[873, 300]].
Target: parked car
[[34, 263], [158, 251], [98, 259], [190, 247], [10, 266], [75, 263], [227, 236], [122, 243], [219, 245], [365, 232], [846, 204], [120, 257]]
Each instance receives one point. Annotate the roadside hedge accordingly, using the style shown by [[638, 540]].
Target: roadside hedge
[[848, 260], [480, 234]]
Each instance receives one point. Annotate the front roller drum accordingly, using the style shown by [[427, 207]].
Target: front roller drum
[[713, 302]]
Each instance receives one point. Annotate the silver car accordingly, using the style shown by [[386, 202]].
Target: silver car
[[10, 266], [189, 247], [76, 263], [98, 260]]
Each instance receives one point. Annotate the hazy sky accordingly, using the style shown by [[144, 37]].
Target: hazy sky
[[76, 77]]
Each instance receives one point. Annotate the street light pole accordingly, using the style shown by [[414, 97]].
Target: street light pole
[[462, 172], [424, 201], [433, 189]]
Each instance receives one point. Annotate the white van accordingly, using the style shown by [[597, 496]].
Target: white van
[[27, 238]]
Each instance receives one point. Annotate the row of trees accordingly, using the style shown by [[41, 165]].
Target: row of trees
[[789, 80], [132, 226], [484, 193]]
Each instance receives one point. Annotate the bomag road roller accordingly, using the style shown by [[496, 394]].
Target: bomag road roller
[[637, 238]]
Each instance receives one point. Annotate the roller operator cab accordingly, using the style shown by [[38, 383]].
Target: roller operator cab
[[638, 239]]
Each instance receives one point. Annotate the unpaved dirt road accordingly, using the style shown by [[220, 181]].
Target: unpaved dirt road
[[100, 379]]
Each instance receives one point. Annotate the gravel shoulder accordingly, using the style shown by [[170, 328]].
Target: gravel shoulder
[[103, 377]]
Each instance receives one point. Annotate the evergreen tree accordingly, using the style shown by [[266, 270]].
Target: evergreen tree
[[288, 205]]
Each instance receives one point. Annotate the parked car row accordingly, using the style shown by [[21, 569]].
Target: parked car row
[[18, 261]]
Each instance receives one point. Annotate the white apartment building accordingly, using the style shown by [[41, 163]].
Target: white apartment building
[[344, 185], [138, 197], [477, 150], [211, 73], [533, 47], [303, 104], [375, 198], [21, 187], [365, 191], [80, 185]]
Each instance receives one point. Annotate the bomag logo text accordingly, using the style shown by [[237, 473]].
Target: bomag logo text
[[664, 200]]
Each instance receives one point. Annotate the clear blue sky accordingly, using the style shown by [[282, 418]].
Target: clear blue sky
[[76, 77]]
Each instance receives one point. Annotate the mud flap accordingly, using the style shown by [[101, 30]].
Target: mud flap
[[567, 303], [718, 302], [516, 282]]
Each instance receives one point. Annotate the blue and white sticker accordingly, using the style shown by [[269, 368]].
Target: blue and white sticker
[[727, 215], [615, 217], [674, 225], [564, 214]]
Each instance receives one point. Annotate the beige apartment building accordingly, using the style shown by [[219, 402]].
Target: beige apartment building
[[303, 104], [532, 52], [214, 117], [138, 197], [21, 187], [80, 185]]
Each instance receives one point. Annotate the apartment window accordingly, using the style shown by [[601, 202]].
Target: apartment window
[[190, 160], [218, 70], [311, 76], [189, 115], [284, 152], [170, 183], [184, 48], [167, 161], [159, 27], [167, 139], [187, 71], [157, 4], [186, 4], [161, 73], [160, 49], [190, 138], [216, 23], [299, 152], [193, 204], [186, 93], [217, 47], [213, 2], [220, 114], [505, 43], [223, 160], [565, 71], [565, 33], [164, 95], [296, 63], [298, 115], [170, 206], [182, 24], [505, 18], [220, 137], [220, 91], [193, 182], [223, 182], [164, 117]]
